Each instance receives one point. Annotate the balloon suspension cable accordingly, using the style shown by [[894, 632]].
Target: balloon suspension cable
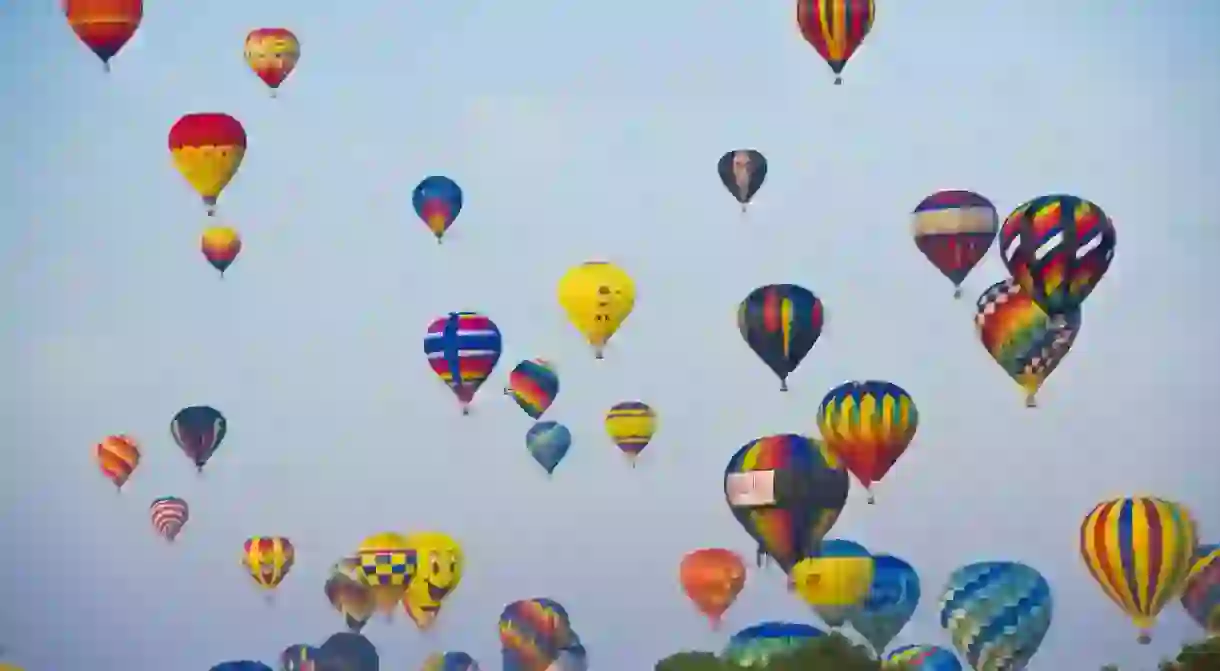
[[275, 93], [599, 354], [199, 470], [106, 67], [743, 208]]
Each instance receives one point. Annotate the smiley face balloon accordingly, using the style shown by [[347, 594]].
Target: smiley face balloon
[[598, 296], [439, 562]]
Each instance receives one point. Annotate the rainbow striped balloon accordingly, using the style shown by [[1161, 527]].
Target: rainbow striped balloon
[[533, 384]]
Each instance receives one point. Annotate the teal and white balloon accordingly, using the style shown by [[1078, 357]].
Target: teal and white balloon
[[997, 614], [549, 443]]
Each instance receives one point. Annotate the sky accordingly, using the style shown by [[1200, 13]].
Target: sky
[[590, 132]]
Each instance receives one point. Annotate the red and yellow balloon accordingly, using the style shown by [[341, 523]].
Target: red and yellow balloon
[[272, 53], [208, 148], [220, 246], [105, 26]]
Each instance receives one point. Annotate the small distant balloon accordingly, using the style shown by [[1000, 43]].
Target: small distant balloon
[[631, 425], [548, 443], [207, 149], [534, 385], [835, 28], [117, 457], [220, 246], [105, 26], [437, 201], [169, 514], [742, 171], [463, 349], [272, 53]]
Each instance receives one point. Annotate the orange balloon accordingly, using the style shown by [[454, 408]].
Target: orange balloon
[[118, 457], [712, 578], [104, 26]]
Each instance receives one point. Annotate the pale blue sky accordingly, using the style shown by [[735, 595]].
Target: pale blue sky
[[578, 130]]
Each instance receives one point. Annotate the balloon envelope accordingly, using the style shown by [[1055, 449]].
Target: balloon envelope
[[996, 614], [755, 646]]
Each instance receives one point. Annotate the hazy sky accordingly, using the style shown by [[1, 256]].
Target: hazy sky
[[578, 131]]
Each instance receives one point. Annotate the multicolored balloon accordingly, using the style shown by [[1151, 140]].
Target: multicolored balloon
[[756, 645], [781, 323], [836, 616], [208, 148], [598, 297], [105, 26], [841, 581], [533, 384], [954, 229], [220, 246], [272, 53], [1058, 248], [921, 658], [868, 425], [835, 28], [631, 425], [742, 171], [241, 665], [437, 201], [786, 491], [450, 661], [532, 634], [712, 578], [1139, 550], [890, 603], [169, 514], [1027, 344], [997, 614], [1201, 594], [199, 430], [268, 559], [348, 593], [384, 565], [548, 443], [117, 457], [463, 349], [299, 657]]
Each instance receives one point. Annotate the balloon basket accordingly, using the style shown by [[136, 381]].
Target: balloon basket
[[1031, 402], [1144, 638], [838, 81], [783, 385], [957, 292]]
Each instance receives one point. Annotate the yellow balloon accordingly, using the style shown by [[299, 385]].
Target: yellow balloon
[[598, 296], [833, 581], [438, 562], [385, 568]]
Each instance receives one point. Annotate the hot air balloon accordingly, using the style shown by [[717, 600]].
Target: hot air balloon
[[840, 581], [712, 578], [787, 492], [346, 651], [781, 323], [996, 613], [450, 661], [272, 53], [437, 201], [383, 563], [868, 425], [220, 246], [742, 171], [117, 457], [1026, 343], [835, 28], [921, 658], [631, 425], [548, 443], [1139, 550], [755, 646], [598, 297], [299, 657], [199, 431], [463, 349], [954, 229], [348, 593], [241, 665], [890, 603], [1201, 594], [438, 561], [208, 149], [1058, 248], [268, 559], [169, 514], [836, 616], [532, 633], [104, 26], [533, 385]]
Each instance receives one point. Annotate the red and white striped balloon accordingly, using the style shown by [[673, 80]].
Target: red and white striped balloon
[[169, 514]]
